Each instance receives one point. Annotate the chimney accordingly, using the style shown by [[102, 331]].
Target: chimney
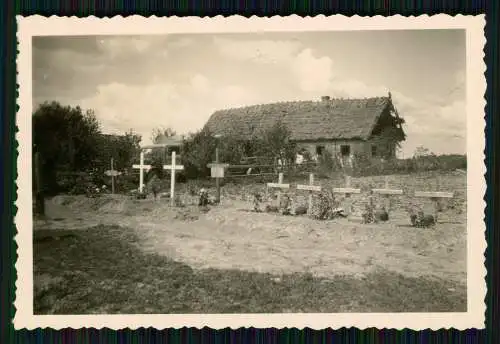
[[325, 98]]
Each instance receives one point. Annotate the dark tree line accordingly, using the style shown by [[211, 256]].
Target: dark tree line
[[70, 141]]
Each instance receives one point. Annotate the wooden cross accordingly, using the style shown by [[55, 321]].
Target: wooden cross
[[112, 173], [347, 191], [386, 192], [172, 167], [217, 172], [141, 168], [279, 185], [435, 196], [311, 188]]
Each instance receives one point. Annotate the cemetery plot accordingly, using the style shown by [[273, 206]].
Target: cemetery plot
[[228, 239]]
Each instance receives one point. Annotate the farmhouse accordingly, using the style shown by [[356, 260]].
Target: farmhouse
[[341, 127]]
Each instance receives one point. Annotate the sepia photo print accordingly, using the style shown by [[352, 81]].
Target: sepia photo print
[[226, 174]]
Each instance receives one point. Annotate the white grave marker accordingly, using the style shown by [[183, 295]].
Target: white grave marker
[[311, 188], [386, 192], [279, 185], [347, 191], [172, 167], [435, 196], [217, 172], [141, 168]]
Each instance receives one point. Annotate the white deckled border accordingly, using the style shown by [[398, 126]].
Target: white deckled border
[[136, 25]]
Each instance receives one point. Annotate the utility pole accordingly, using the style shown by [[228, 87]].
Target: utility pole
[[217, 182]]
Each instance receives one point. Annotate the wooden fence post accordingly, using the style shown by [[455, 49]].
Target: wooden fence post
[[39, 196]]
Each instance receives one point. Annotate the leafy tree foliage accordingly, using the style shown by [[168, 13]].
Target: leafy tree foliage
[[66, 139], [70, 141], [275, 143], [159, 133]]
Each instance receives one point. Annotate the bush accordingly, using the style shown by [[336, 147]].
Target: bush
[[367, 167], [327, 165]]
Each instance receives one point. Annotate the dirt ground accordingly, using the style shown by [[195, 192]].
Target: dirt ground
[[230, 236]]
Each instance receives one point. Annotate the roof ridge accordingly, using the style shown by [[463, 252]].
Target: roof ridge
[[290, 102]]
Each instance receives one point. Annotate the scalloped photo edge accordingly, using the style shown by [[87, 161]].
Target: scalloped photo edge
[[29, 27]]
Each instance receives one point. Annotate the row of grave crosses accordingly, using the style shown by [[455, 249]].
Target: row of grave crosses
[[217, 172], [347, 191], [173, 167]]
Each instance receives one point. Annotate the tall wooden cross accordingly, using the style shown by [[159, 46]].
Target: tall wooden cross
[[311, 188], [172, 167], [141, 168], [279, 185], [217, 172], [112, 173], [347, 191]]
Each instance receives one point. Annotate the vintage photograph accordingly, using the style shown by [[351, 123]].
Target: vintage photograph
[[251, 172]]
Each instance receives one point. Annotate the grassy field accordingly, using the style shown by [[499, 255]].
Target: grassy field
[[118, 255], [101, 270]]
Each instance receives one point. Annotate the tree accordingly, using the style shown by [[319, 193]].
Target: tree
[[421, 151], [159, 133], [275, 142], [198, 150], [122, 148], [66, 137]]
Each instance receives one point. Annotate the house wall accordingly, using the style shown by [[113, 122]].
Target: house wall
[[334, 147]]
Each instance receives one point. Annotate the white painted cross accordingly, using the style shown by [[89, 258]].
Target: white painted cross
[[172, 167], [311, 188], [435, 196], [386, 192], [141, 168], [279, 185], [347, 191]]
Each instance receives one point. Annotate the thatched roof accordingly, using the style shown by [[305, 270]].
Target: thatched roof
[[328, 119]]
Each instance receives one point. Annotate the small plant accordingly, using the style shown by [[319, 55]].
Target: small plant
[[257, 202], [141, 195], [327, 207]]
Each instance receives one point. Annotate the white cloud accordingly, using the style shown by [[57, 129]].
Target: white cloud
[[259, 51], [185, 108], [313, 74]]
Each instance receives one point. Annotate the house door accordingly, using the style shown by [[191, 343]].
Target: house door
[[345, 155]]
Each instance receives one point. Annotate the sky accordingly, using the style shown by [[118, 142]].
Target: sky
[[178, 81]]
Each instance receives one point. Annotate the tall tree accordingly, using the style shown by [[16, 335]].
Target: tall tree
[[65, 137]]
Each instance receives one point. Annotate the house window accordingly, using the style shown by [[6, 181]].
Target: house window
[[345, 150], [374, 150], [320, 150]]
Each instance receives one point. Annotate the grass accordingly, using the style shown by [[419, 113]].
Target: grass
[[102, 270]]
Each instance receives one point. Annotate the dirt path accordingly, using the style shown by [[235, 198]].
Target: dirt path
[[230, 237]]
